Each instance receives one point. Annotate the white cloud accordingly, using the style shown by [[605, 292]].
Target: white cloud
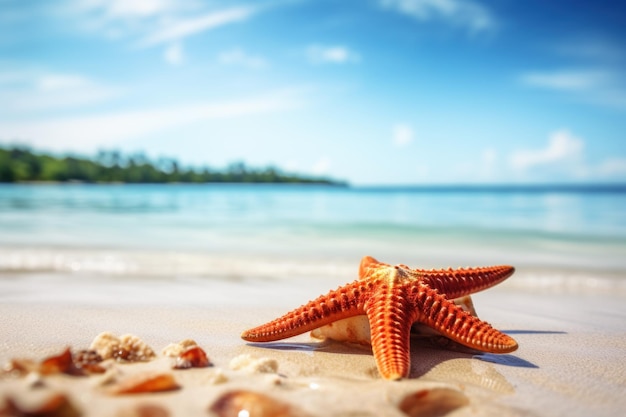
[[562, 147], [34, 91], [337, 54], [186, 27], [592, 48], [321, 166], [600, 86], [240, 58], [564, 155], [174, 54], [613, 167], [568, 80], [468, 13], [89, 132], [154, 22], [52, 82], [125, 8], [402, 135], [116, 19]]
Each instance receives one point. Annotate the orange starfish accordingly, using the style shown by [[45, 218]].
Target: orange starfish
[[393, 298]]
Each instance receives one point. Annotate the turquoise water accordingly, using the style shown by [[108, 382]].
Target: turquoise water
[[583, 227]]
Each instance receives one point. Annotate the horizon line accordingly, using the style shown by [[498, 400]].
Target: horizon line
[[434, 187], [511, 186]]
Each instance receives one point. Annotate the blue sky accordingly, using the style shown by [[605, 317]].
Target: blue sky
[[372, 92]]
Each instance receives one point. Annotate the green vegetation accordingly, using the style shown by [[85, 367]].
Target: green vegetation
[[20, 164]]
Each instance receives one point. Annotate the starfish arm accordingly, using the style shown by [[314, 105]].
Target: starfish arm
[[390, 318], [345, 302], [453, 322], [367, 265], [455, 283]]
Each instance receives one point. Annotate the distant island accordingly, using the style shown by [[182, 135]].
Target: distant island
[[21, 164]]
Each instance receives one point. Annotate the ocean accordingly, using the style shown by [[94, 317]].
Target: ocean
[[304, 231]]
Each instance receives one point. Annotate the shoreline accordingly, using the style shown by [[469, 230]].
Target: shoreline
[[153, 271]]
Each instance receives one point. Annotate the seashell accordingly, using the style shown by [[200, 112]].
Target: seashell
[[126, 348], [193, 357], [57, 405], [175, 349], [217, 377], [466, 304], [89, 361], [252, 404], [251, 364], [357, 329], [86, 357], [145, 383], [433, 402], [65, 362], [62, 363], [353, 330]]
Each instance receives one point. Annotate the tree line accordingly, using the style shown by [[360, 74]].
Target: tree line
[[21, 164]]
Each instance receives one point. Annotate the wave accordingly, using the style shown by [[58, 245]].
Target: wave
[[168, 265], [158, 264]]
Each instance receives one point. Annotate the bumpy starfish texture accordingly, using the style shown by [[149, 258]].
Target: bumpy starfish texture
[[393, 298]]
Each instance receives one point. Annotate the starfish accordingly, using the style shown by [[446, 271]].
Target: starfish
[[393, 298]]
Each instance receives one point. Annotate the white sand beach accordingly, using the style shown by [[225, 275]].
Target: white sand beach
[[572, 342]]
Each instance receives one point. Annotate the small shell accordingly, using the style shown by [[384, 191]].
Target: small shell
[[104, 344], [89, 361], [353, 330], [85, 356], [61, 363], [216, 378], [194, 357], [175, 349], [145, 383], [57, 405], [357, 329], [251, 364], [252, 404], [466, 304], [64, 362], [126, 348], [433, 402]]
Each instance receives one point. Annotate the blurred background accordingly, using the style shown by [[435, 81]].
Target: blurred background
[[468, 132], [378, 92]]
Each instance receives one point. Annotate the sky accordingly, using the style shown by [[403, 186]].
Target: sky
[[373, 92]]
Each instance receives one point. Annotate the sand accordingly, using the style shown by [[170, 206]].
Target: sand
[[570, 360]]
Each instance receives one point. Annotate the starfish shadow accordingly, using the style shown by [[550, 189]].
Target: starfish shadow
[[533, 332], [424, 359], [429, 352], [507, 360], [327, 346], [299, 346], [426, 353]]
